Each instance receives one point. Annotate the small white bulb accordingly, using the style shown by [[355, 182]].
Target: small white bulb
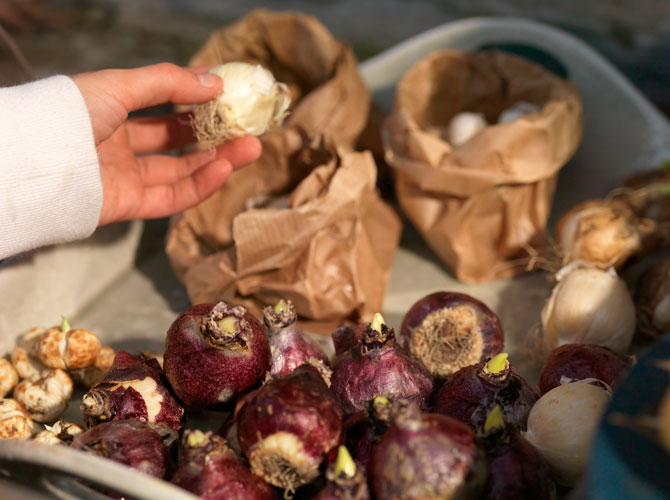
[[251, 102], [562, 425], [464, 126], [588, 306]]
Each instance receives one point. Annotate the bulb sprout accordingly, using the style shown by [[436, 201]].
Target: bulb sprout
[[377, 322], [196, 438], [281, 306], [64, 325], [494, 420], [497, 363], [380, 400], [345, 464], [225, 325], [377, 335], [228, 324]]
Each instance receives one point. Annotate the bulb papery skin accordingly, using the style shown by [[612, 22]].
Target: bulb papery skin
[[134, 387], [207, 366], [588, 306], [210, 470], [604, 234], [287, 427], [364, 429], [469, 395], [574, 362], [429, 457], [347, 336], [290, 346], [516, 469], [340, 486], [252, 102], [372, 369], [562, 425], [450, 330], [360, 436], [130, 442]]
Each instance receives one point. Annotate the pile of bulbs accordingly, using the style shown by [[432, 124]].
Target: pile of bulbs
[[597, 240], [440, 400]]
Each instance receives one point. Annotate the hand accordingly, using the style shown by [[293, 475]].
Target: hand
[[136, 182]]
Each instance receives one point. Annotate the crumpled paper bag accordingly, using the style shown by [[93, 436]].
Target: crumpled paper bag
[[326, 245], [482, 205], [328, 98]]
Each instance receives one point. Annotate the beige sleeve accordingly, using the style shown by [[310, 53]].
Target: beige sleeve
[[50, 187]]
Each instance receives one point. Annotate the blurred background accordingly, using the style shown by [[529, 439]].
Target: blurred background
[[69, 36]]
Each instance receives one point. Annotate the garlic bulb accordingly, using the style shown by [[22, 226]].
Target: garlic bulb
[[588, 306], [562, 425], [602, 233], [464, 126], [518, 110], [252, 102]]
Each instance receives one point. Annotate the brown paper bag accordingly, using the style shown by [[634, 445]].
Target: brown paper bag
[[482, 205], [328, 95], [328, 246], [330, 249]]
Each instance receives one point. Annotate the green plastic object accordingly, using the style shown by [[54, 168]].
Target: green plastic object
[[628, 460]]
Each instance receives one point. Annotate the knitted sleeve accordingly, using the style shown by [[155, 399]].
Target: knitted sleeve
[[50, 187]]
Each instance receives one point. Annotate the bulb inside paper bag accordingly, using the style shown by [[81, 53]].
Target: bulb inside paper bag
[[464, 126]]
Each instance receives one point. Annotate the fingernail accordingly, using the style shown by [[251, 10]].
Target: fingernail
[[209, 79]]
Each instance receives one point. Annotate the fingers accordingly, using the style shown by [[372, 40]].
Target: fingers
[[201, 69], [163, 200], [174, 184], [113, 93], [160, 169], [241, 151], [157, 134], [162, 83]]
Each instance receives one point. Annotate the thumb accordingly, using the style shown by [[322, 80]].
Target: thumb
[[113, 93], [163, 83]]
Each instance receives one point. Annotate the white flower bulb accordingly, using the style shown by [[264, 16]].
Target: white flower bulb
[[251, 102], [464, 126], [589, 306], [562, 425]]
